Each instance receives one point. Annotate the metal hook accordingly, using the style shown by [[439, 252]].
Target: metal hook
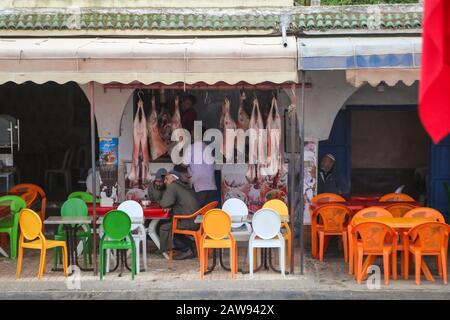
[[140, 92]]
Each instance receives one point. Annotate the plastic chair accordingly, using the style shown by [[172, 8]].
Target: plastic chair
[[85, 196], [396, 197], [197, 234], [370, 212], [375, 239], [327, 197], [266, 234], [134, 210], [28, 187], [10, 224], [281, 208], [398, 210], [31, 237], [399, 189], [117, 236], [29, 197], [75, 208], [427, 239], [424, 212], [334, 218], [217, 235], [238, 209], [64, 170]]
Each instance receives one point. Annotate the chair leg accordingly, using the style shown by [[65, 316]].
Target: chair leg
[[65, 259], [84, 241], [394, 265], [439, 264], [282, 254], [406, 262], [345, 244], [134, 261], [418, 260], [144, 250], [138, 255], [359, 271], [202, 262], [19, 261], [443, 258], [41, 264], [251, 254], [350, 254], [13, 244], [102, 262], [386, 268], [321, 245]]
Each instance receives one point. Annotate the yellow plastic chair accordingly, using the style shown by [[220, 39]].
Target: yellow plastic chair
[[216, 227], [31, 237], [281, 208]]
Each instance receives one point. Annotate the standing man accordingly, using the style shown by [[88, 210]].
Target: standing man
[[188, 113], [330, 179], [177, 196]]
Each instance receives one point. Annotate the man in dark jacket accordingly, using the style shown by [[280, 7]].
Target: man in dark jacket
[[330, 179], [179, 197]]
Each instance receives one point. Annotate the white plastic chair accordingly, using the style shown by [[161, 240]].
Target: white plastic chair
[[237, 209], [399, 189], [136, 213], [266, 234]]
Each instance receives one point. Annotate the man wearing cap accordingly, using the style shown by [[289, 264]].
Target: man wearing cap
[[188, 113], [176, 195], [330, 179]]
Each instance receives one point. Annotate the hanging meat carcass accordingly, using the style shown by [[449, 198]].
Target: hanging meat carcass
[[140, 148], [228, 124], [157, 145], [274, 152], [243, 118], [257, 145]]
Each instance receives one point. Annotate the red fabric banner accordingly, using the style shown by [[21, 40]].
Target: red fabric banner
[[434, 91]]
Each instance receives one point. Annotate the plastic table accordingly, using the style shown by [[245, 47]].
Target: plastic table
[[153, 212]]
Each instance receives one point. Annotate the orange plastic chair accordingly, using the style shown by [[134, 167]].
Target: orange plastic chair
[[282, 209], [370, 212], [428, 239], [327, 197], [334, 219], [396, 197], [374, 239], [197, 234], [28, 187], [31, 237], [424, 212], [217, 235], [398, 210]]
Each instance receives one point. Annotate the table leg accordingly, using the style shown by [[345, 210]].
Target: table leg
[[271, 263], [152, 232]]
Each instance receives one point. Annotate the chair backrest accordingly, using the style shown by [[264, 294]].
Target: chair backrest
[[216, 224], [266, 223], [235, 208], [424, 212], [85, 196], [29, 187], [29, 197], [327, 197], [396, 197], [372, 212], [278, 206], [116, 225], [30, 224], [430, 236], [373, 235], [207, 207], [74, 208], [15, 203], [399, 209], [333, 216], [134, 210]]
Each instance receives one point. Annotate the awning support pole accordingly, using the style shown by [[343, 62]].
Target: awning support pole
[[94, 175], [292, 165], [302, 173]]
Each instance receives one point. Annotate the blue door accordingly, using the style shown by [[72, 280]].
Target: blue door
[[338, 143], [440, 173]]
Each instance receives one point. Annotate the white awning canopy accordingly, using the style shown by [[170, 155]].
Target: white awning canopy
[[167, 61], [375, 76]]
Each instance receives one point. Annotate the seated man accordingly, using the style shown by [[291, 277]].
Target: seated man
[[330, 179], [180, 198]]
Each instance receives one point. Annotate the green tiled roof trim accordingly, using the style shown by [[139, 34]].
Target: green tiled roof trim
[[302, 19]]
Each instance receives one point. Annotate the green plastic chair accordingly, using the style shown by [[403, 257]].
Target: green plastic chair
[[117, 236], [85, 196], [10, 224], [74, 208]]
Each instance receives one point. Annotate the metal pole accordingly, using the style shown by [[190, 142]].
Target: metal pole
[[292, 165], [94, 175], [302, 174]]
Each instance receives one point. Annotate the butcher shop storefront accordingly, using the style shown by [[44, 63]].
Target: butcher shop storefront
[[137, 91]]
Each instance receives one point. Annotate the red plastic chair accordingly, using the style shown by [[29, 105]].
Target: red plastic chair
[[424, 212], [396, 197], [399, 209], [327, 197]]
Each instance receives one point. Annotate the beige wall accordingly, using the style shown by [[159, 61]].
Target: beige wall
[[145, 3]]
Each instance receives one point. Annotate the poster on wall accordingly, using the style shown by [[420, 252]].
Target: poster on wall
[[236, 185], [109, 155], [310, 176]]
